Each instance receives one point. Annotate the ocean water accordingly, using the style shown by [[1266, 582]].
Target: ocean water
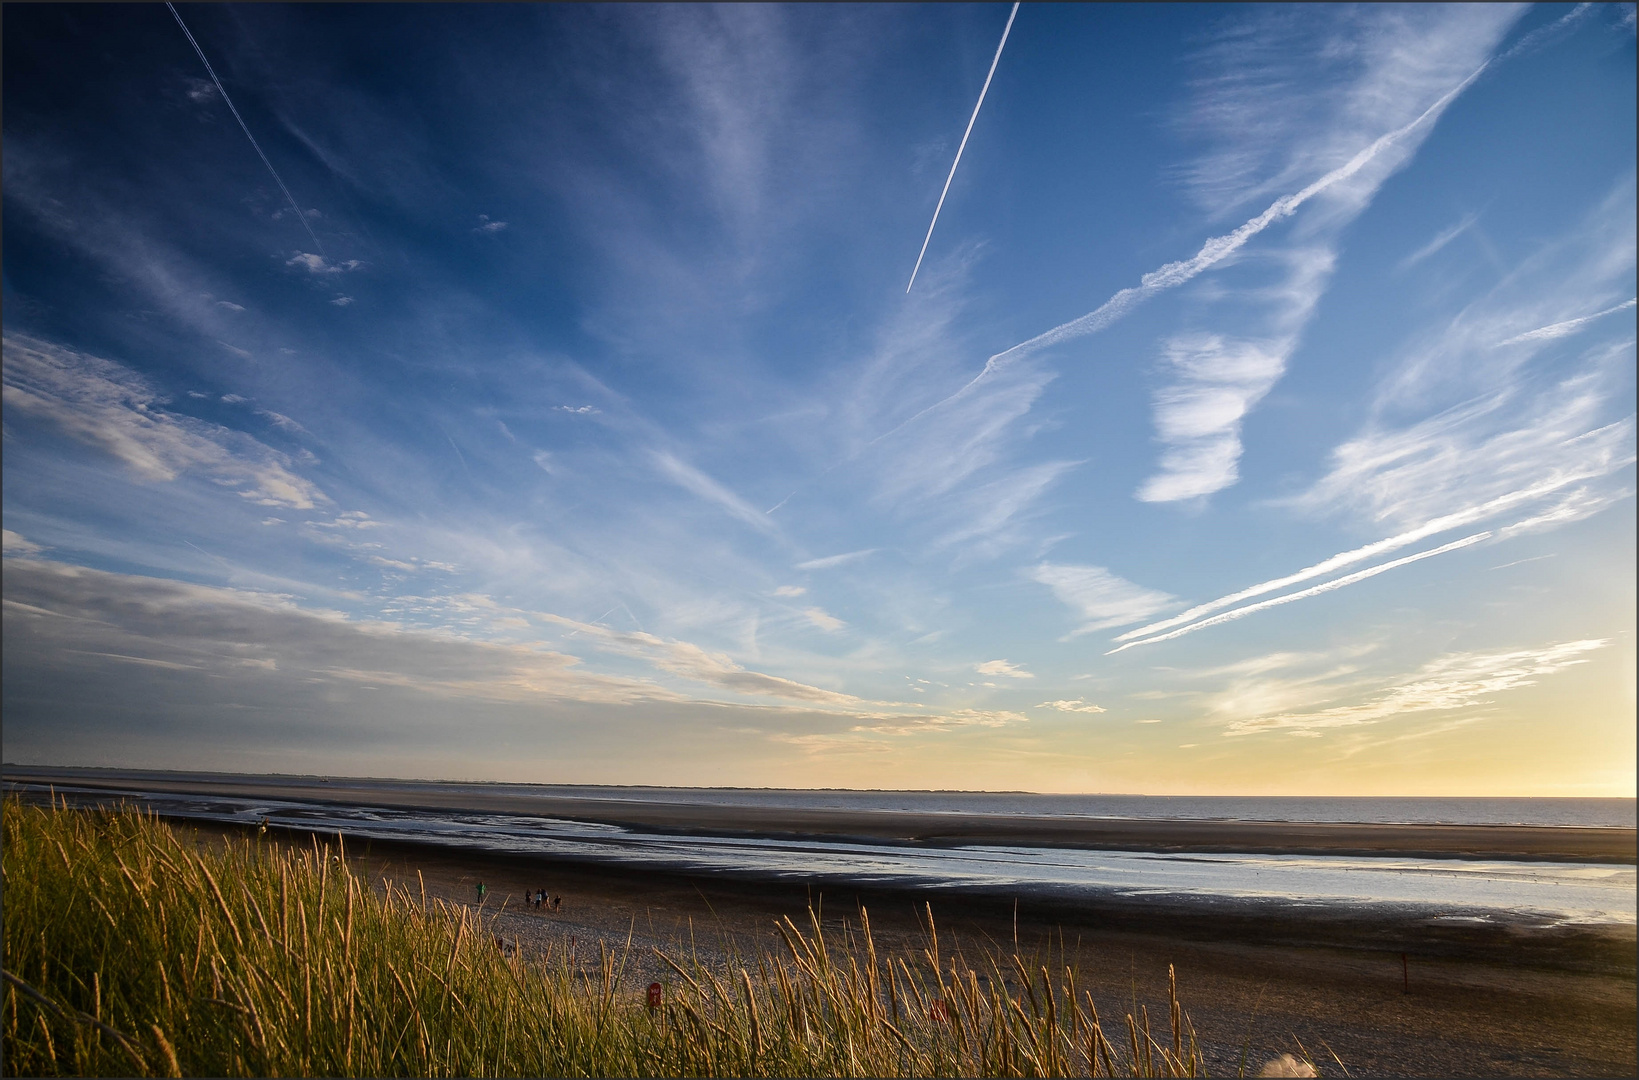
[[1516, 892], [1386, 811], [1620, 813]]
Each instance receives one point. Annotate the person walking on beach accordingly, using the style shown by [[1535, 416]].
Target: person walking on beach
[[481, 892]]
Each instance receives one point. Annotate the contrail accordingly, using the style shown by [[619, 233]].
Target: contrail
[[1570, 326], [1212, 252], [1530, 40], [994, 61], [1466, 516], [1172, 274], [1316, 590], [223, 91]]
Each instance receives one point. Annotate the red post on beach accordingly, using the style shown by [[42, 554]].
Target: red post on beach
[[654, 996], [1405, 974]]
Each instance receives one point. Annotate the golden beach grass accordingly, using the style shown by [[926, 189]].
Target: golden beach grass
[[130, 950]]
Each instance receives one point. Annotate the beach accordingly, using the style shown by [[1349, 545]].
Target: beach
[[1389, 988], [1466, 1000]]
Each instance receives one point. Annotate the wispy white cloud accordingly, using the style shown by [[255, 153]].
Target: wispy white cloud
[[1440, 240], [351, 519], [961, 481], [962, 435], [947, 720], [280, 420], [1072, 705], [17, 544], [1483, 456], [831, 561], [823, 619], [1456, 681], [1284, 94], [1003, 669], [990, 517], [1586, 267], [1199, 416], [488, 225], [237, 633], [1583, 502], [182, 621], [107, 405], [701, 665], [1282, 660], [698, 483], [199, 91], [869, 737], [1101, 599], [318, 264], [790, 591]]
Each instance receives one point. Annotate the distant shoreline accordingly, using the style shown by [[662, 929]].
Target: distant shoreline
[[107, 771], [1557, 843]]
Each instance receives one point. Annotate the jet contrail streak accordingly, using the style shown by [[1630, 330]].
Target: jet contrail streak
[[1467, 516], [1570, 326], [221, 90], [1316, 590], [1212, 252], [994, 61]]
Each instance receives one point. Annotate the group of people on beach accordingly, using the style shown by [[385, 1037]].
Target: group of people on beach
[[540, 898]]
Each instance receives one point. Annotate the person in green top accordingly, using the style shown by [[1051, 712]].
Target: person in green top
[[481, 892]]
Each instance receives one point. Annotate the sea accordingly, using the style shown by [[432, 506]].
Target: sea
[[1524, 893]]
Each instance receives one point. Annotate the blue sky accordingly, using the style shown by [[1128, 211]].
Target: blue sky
[[1260, 419]]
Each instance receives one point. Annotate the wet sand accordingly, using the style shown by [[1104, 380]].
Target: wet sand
[[1553, 843], [1469, 1000]]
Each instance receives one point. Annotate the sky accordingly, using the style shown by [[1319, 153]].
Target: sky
[[535, 394]]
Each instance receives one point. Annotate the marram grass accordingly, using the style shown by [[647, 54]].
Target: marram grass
[[131, 951]]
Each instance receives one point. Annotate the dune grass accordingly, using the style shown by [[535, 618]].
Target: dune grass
[[130, 950]]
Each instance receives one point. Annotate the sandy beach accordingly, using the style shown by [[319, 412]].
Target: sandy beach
[[1464, 1001], [1387, 993]]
